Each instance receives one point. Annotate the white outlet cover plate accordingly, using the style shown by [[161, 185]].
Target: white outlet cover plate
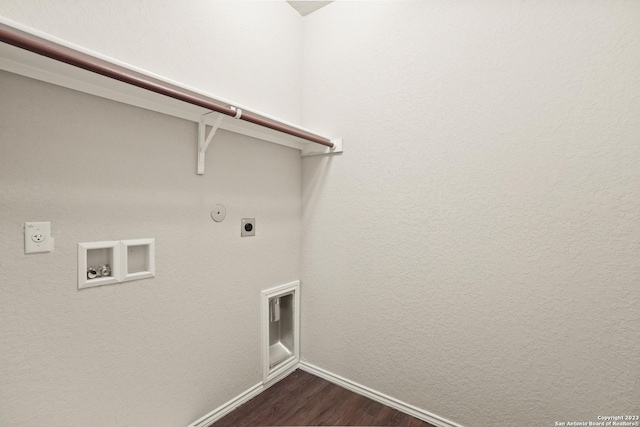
[[37, 237]]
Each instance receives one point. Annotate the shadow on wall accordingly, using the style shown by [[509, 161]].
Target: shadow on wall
[[314, 171]]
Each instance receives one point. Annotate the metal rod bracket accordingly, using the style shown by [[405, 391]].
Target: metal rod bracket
[[213, 120]]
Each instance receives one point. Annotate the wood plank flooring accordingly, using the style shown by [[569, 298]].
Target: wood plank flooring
[[302, 399]]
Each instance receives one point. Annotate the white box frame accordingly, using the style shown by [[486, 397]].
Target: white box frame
[[83, 249], [271, 375], [150, 270]]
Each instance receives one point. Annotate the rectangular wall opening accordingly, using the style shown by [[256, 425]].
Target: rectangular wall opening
[[280, 320], [99, 257], [280, 329], [137, 259], [98, 264]]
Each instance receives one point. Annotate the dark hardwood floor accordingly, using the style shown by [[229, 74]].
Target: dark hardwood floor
[[302, 399]]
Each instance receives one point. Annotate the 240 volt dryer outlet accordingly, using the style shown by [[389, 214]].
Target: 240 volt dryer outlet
[[248, 227], [37, 237]]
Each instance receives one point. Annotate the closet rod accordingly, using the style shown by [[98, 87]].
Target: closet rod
[[87, 62]]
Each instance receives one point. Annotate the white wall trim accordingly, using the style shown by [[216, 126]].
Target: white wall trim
[[241, 399], [225, 408], [394, 403], [273, 375]]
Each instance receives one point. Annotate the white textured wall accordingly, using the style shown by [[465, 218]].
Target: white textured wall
[[247, 52], [162, 351], [476, 249]]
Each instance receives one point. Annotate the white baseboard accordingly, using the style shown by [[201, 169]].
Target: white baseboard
[[242, 398], [421, 414], [224, 409], [394, 403]]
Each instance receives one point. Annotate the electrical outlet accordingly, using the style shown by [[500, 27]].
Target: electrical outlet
[[248, 227], [37, 237]]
